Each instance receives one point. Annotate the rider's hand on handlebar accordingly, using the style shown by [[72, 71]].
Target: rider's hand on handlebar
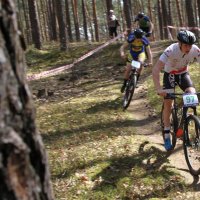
[[150, 64], [148, 34], [123, 55], [161, 92]]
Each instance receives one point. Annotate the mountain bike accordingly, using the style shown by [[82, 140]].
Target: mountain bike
[[186, 125], [131, 83]]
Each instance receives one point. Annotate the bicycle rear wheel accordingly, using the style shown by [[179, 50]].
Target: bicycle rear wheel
[[173, 126], [191, 144], [129, 92]]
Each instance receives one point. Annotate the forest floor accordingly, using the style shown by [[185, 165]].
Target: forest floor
[[95, 147]]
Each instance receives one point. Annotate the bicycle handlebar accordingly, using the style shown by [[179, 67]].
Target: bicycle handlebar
[[173, 95]]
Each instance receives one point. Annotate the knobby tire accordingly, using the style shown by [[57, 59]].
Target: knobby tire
[[191, 144], [129, 91]]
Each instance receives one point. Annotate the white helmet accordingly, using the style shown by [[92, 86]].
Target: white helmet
[[111, 11]]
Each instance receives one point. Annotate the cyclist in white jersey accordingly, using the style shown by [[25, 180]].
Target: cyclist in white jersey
[[175, 62]]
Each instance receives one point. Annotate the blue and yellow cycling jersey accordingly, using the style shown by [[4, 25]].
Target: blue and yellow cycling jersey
[[137, 48], [138, 45]]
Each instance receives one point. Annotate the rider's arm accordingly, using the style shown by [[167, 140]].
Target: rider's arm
[[135, 24], [122, 49], [150, 26], [156, 76]]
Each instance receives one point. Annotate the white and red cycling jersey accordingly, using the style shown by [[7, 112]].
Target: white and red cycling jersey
[[176, 62]]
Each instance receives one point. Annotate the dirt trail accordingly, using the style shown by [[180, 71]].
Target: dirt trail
[[148, 123]]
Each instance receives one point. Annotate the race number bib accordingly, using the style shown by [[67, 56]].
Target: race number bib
[[135, 64], [190, 100]]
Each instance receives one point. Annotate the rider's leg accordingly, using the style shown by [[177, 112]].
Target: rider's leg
[[111, 32], [166, 119], [126, 76], [167, 112], [127, 71], [141, 59], [190, 90]]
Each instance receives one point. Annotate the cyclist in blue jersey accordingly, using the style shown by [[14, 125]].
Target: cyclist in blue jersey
[[143, 22], [138, 44]]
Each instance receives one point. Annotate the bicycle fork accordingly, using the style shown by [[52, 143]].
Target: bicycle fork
[[179, 132]]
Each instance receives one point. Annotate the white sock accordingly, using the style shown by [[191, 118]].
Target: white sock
[[166, 131]]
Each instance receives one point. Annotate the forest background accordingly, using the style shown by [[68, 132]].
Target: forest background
[[70, 21]]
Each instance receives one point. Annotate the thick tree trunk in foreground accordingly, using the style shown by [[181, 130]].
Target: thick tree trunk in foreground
[[24, 173]]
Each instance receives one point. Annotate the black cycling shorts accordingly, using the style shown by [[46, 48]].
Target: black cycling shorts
[[182, 80]]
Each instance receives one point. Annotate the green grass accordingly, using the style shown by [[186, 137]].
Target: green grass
[[94, 150]]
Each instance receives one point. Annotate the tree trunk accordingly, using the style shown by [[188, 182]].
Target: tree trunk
[[61, 24], [84, 20], [190, 14], [95, 20], [198, 3], [90, 22], [76, 21], [34, 24], [27, 23], [109, 6], [24, 173], [44, 19], [160, 20], [173, 31], [39, 13], [127, 14], [164, 17], [180, 16], [68, 21], [170, 20], [53, 19], [151, 16]]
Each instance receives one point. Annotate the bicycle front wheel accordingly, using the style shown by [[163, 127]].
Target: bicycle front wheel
[[173, 126], [191, 144], [129, 92]]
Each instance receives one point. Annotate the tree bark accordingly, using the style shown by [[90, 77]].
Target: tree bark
[[164, 17], [24, 173], [198, 3], [85, 26], [34, 24], [76, 20], [68, 21], [160, 19], [180, 16], [127, 14], [52, 9], [95, 20], [61, 24], [109, 6], [190, 14]]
